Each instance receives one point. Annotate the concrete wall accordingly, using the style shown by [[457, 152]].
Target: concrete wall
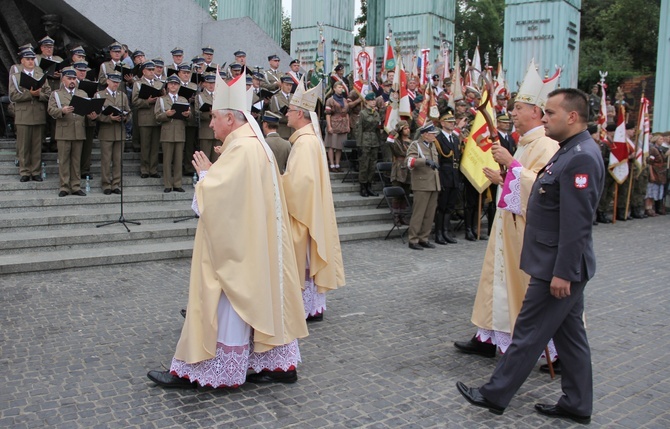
[[265, 13]]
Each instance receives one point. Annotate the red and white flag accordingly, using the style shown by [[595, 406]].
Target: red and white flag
[[364, 67], [424, 67], [618, 165], [643, 135]]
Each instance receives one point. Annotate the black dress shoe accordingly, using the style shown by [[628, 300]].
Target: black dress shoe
[[439, 239], [24, 179], [315, 318], [178, 189], [557, 411], [273, 377], [415, 246], [475, 347], [37, 179], [472, 395], [116, 191], [165, 379], [426, 244], [449, 239], [183, 313], [80, 193], [556, 365], [470, 236], [63, 194], [107, 192], [167, 190], [144, 175], [155, 176]]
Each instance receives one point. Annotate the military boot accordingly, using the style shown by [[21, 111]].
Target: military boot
[[364, 190]]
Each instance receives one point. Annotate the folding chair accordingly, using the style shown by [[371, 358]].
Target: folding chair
[[384, 173], [351, 156], [396, 192]]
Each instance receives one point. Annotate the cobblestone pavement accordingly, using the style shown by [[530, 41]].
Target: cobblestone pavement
[[76, 345]]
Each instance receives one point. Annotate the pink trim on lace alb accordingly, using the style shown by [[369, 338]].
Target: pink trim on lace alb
[[227, 369], [510, 195]]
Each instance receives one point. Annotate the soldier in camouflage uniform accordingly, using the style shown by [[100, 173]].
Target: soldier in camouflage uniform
[[368, 144], [608, 191]]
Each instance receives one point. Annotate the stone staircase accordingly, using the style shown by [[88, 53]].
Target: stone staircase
[[40, 231]]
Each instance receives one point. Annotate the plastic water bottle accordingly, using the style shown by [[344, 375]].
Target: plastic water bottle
[[88, 184], [195, 179], [44, 171]]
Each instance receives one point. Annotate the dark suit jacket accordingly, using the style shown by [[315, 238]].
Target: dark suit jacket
[[507, 142], [449, 172], [564, 197]]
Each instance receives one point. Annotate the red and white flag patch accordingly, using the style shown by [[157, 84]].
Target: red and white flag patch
[[581, 181]]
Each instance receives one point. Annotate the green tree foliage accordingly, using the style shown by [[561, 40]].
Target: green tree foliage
[[285, 32], [213, 8], [361, 20], [481, 20]]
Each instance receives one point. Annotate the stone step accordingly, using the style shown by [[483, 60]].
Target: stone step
[[51, 185], [7, 155]]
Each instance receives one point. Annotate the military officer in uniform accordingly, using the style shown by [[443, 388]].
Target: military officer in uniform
[[280, 147], [205, 133], [82, 69], [70, 133], [235, 70], [46, 45], [279, 105], [115, 50], [173, 134], [177, 58], [367, 140], [184, 74], [149, 129], [241, 59], [273, 75], [608, 189], [295, 73], [448, 147], [208, 56], [112, 133], [159, 69], [558, 255], [422, 160], [29, 118]]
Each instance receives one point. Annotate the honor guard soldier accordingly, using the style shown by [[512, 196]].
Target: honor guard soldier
[[295, 73], [30, 117], [448, 146], [70, 133], [112, 133], [367, 140], [279, 105], [208, 55], [149, 129], [273, 75], [191, 127], [241, 59], [108, 67], [46, 45], [173, 134], [235, 70], [422, 158], [82, 69], [203, 109], [159, 70], [280, 147]]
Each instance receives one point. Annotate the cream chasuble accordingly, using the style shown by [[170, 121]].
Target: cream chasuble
[[240, 251], [310, 204], [502, 284]]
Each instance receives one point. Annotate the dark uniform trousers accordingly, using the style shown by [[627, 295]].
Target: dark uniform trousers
[[425, 187], [569, 187]]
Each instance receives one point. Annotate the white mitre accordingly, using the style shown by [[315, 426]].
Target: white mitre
[[230, 95], [306, 99], [534, 90]]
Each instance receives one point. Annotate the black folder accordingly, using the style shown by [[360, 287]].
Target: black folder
[[206, 107], [170, 72], [48, 66], [28, 82], [179, 108], [84, 106], [112, 111], [123, 69], [196, 78], [147, 91], [89, 87], [186, 92]]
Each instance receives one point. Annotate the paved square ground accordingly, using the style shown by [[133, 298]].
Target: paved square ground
[[76, 345]]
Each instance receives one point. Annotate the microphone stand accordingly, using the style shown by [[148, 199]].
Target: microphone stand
[[122, 220]]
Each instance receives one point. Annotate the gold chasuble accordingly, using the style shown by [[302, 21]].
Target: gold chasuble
[[502, 284], [310, 203], [240, 251]]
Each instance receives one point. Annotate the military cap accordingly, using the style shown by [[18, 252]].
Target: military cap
[[501, 95], [173, 79], [223, 74], [236, 66], [208, 50], [387, 83], [428, 128], [448, 117], [503, 118], [271, 117], [198, 60], [184, 67], [26, 46], [177, 51], [250, 80], [593, 128], [258, 76], [339, 67], [370, 96], [138, 53], [81, 66], [148, 65], [114, 77], [27, 53], [46, 40], [115, 46], [273, 57], [436, 77], [68, 71], [418, 98], [294, 62], [240, 53], [461, 103], [209, 77], [78, 51], [630, 126], [158, 62], [286, 79]]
